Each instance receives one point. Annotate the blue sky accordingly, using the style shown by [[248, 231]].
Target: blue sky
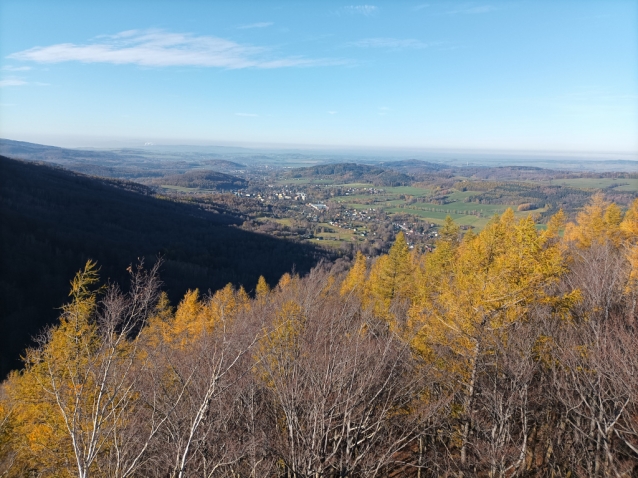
[[523, 75]]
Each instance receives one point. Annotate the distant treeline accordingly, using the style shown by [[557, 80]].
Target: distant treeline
[[201, 179], [351, 172]]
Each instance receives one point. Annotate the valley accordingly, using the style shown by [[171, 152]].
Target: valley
[[330, 201]]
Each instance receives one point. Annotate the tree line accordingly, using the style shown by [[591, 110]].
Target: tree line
[[511, 352]]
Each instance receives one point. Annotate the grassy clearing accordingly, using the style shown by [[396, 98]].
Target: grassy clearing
[[355, 197], [458, 208], [408, 190], [439, 217], [461, 195], [284, 221], [619, 184]]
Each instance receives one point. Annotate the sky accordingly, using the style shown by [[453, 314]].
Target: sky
[[489, 75]]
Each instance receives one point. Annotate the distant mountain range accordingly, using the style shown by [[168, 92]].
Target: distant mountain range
[[128, 162], [122, 163]]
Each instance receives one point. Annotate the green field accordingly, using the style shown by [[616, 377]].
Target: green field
[[464, 213], [408, 190], [339, 235], [598, 183], [356, 197]]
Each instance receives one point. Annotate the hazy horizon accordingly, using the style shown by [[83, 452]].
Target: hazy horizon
[[357, 153]]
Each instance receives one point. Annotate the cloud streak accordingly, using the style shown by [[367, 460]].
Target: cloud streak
[[12, 82], [16, 68], [155, 48], [256, 25], [472, 10], [365, 10], [252, 115], [391, 43]]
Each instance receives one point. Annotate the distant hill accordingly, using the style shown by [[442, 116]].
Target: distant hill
[[202, 180], [53, 220], [415, 166], [41, 152], [223, 165], [352, 172], [126, 163]]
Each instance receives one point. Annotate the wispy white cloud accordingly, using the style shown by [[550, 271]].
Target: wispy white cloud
[[12, 82], [366, 10], [332, 112], [383, 110], [156, 48], [256, 25], [246, 114], [391, 43], [16, 68], [416, 8], [470, 10]]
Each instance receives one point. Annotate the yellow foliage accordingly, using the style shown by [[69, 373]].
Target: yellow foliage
[[284, 281], [243, 297], [391, 276], [629, 224], [224, 306], [632, 257], [356, 277], [187, 323], [450, 232], [280, 346], [479, 288], [262, 288], [602, 221], [462, 297], [554, 225], [194, 317], [597, 222], [37, 437], [55, 379]]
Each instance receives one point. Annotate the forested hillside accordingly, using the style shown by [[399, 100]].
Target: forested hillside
[[203, 180], [508, 352], [351, 172], [54, 220]]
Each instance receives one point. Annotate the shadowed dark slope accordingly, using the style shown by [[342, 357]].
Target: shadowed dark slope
[[53, 220]]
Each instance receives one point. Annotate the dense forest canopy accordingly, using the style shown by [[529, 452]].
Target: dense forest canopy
[[508, 352], [352, 172], [202, 179]]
